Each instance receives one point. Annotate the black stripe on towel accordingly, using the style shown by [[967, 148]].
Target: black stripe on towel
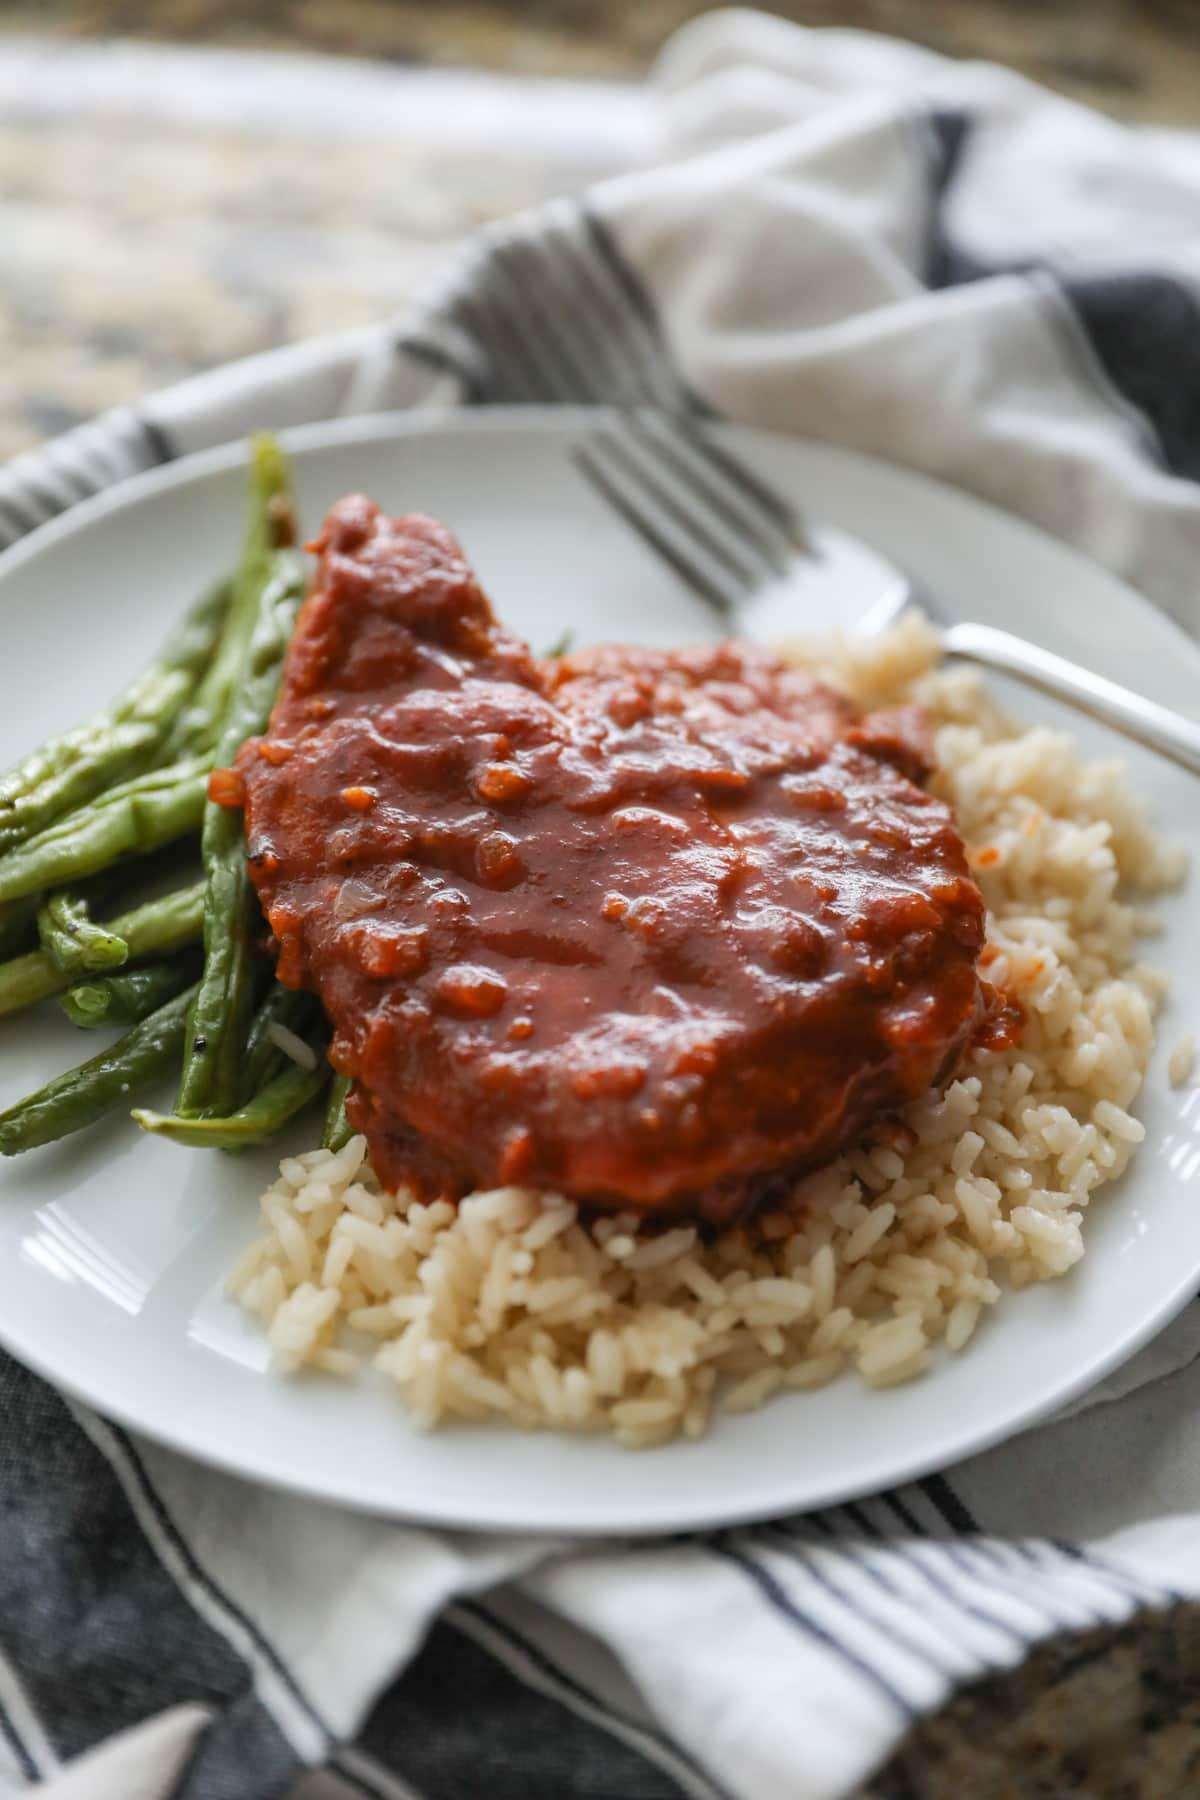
[[886, 1624], [641, 301], [1126, 1581], [213, 1588], [947, 134], [951, 1511], [514, 368], [829, 1526], [781, 1602], [34, 478], [20, 500], [15, 519], [608, 346], [940, 1494], [874, 1566], [443, 360], [70, 469], [522, 271], [515, 1648], [367, 1778], [134, 441], [954, 1511], [41, 484], [511, 370], [1139, 328], [16, 1744], [635, 367], [637, 294], [1145, 330], [928, 1559], [893, 1555], [948, 1512], [551, 313], [511, 290], [1103, 1574], [157, 440], [1022, 1582], [242, 1755], [892, 1500], [459, 1725], [99, 1630]]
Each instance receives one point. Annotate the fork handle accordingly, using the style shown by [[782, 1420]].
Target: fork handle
[[1159, 727]]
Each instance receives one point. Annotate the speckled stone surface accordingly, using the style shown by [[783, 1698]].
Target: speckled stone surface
[[162, 230], [172, 228], [136, 250], [1134, 57], [1101, 1715]]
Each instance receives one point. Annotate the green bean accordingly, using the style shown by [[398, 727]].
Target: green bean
[[140, 815], [130, 780], [83, 1095], [168, 922], [270, 529], [126, 745], [18, 924], [191, 726], [121, 741], [259, 1119], [66, 923], [280, 1007], [24, 980], [337, 1129], [164, 924], [210, 1082], [131, 995], [72, 939]]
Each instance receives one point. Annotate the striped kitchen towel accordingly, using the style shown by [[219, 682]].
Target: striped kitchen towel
[[853, 240]]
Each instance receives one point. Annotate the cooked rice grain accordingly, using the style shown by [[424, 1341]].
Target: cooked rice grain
[[512, 1308], [1182, 1061]]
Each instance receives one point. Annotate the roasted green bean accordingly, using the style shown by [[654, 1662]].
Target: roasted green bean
[[105, 1082], [211, 1080], [260, 1118], [126, 738], [72, 939], [161, 925], [138, 816], [281, 1008], [129, 996]]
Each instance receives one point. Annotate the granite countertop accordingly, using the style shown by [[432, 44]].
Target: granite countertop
[[1133, 57], [153, 227], [165, 209], [154, 224]]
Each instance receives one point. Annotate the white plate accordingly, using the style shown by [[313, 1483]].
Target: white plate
[[113, 1247]]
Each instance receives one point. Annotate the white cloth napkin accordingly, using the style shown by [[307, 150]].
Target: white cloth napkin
[[854, 240]]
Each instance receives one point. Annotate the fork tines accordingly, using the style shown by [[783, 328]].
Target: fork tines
[[697, 506]]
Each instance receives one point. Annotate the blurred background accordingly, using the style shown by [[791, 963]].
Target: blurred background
[[187, 181]]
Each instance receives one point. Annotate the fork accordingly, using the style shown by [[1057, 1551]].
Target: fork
[[745, 551]]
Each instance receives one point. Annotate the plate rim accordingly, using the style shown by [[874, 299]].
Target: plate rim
[[776, 1494], [321, 434]]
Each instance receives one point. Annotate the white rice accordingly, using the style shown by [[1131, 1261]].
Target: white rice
[[1181, 1062], [510, 1308], [291, 1045]]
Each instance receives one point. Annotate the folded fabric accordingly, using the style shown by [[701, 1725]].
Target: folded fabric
[[856, 241]]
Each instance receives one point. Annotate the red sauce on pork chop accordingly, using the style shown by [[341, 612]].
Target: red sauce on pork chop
[[635, 925]]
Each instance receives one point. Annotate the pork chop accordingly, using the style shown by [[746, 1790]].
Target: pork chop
[[638, 926]]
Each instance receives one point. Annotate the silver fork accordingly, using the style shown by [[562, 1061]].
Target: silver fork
[[746, 552]]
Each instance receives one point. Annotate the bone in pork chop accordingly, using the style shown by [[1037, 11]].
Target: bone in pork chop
[[638, 926]]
